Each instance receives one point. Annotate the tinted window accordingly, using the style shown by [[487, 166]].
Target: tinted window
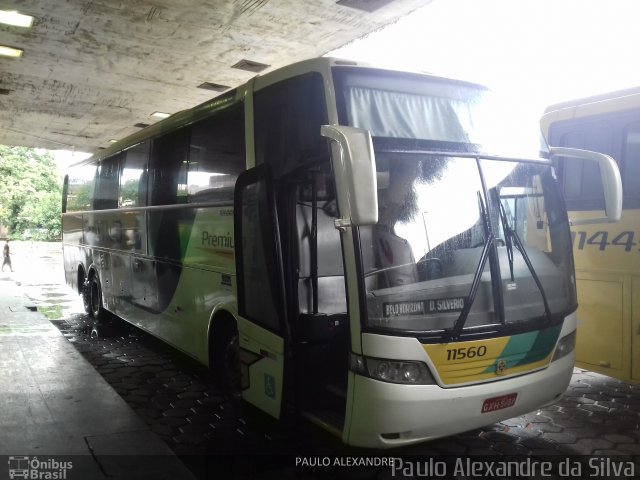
[[259, 283], [581, 179], [616, 134], [80, 185], [573, 169], [216, 156], [133, 180], [288, 116], [106, 191], [631, 159], [168, 168]]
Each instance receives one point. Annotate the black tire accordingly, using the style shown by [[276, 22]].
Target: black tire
[[226, 360], [96, 311], [86, 300]]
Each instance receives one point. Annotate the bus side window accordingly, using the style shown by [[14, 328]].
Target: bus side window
[[331, 293], [631, 168], [80, 188], [106, 191], [216, 156], [288, 117], [133, 188], [581, 180], [168, 168]]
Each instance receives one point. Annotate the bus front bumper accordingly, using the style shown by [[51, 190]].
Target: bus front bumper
[[393, 415]]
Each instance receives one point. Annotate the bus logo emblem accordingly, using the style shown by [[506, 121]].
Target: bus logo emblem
[[501, 367], [18, 467]]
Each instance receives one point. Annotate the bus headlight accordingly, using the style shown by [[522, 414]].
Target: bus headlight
[[392, 371], [566, 345]]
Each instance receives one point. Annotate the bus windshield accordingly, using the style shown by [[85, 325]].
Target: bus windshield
[[439, 228], [464, 239]]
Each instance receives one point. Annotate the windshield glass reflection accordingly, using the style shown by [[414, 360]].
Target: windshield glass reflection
[[435, 222]]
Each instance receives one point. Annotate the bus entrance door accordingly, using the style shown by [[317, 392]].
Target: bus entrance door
[[262, 327]]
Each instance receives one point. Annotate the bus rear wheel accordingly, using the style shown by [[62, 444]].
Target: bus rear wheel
[[86, 296], [96, 311]]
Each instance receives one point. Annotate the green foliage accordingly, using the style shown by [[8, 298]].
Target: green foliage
[[30, 193]]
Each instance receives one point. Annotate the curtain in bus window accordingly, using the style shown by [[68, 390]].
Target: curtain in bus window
[[406, 115], [216, 156]]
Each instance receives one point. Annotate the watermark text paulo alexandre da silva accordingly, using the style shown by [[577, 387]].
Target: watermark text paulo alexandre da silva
[[573, 468]]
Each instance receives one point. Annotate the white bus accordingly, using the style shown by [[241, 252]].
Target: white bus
[[352, 244]]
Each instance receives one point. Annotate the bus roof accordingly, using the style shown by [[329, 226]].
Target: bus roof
[[188, 116], [619, 100], [594, 99]]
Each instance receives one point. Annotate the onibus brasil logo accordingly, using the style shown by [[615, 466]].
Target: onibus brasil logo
[[21, 466]]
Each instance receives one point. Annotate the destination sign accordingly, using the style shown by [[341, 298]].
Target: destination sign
[[397, 309], [422, 307], [445, 305]]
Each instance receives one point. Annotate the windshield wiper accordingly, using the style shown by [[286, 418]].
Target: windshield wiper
[[511, 238], [508, 235], [454, 332]]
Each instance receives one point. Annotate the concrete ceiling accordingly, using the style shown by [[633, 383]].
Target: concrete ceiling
[[92, 70]]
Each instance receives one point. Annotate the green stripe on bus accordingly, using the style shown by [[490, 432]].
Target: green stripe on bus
[[543, 345], [527, 348]]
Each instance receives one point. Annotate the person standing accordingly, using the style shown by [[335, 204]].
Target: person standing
[[6, 255]]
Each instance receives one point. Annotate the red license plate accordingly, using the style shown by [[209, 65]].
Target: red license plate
[[498, 403]]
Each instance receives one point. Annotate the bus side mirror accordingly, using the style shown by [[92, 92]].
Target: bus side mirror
[[355, 172], [610, 177]]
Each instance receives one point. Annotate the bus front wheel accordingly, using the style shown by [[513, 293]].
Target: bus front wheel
[[226, 360]]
